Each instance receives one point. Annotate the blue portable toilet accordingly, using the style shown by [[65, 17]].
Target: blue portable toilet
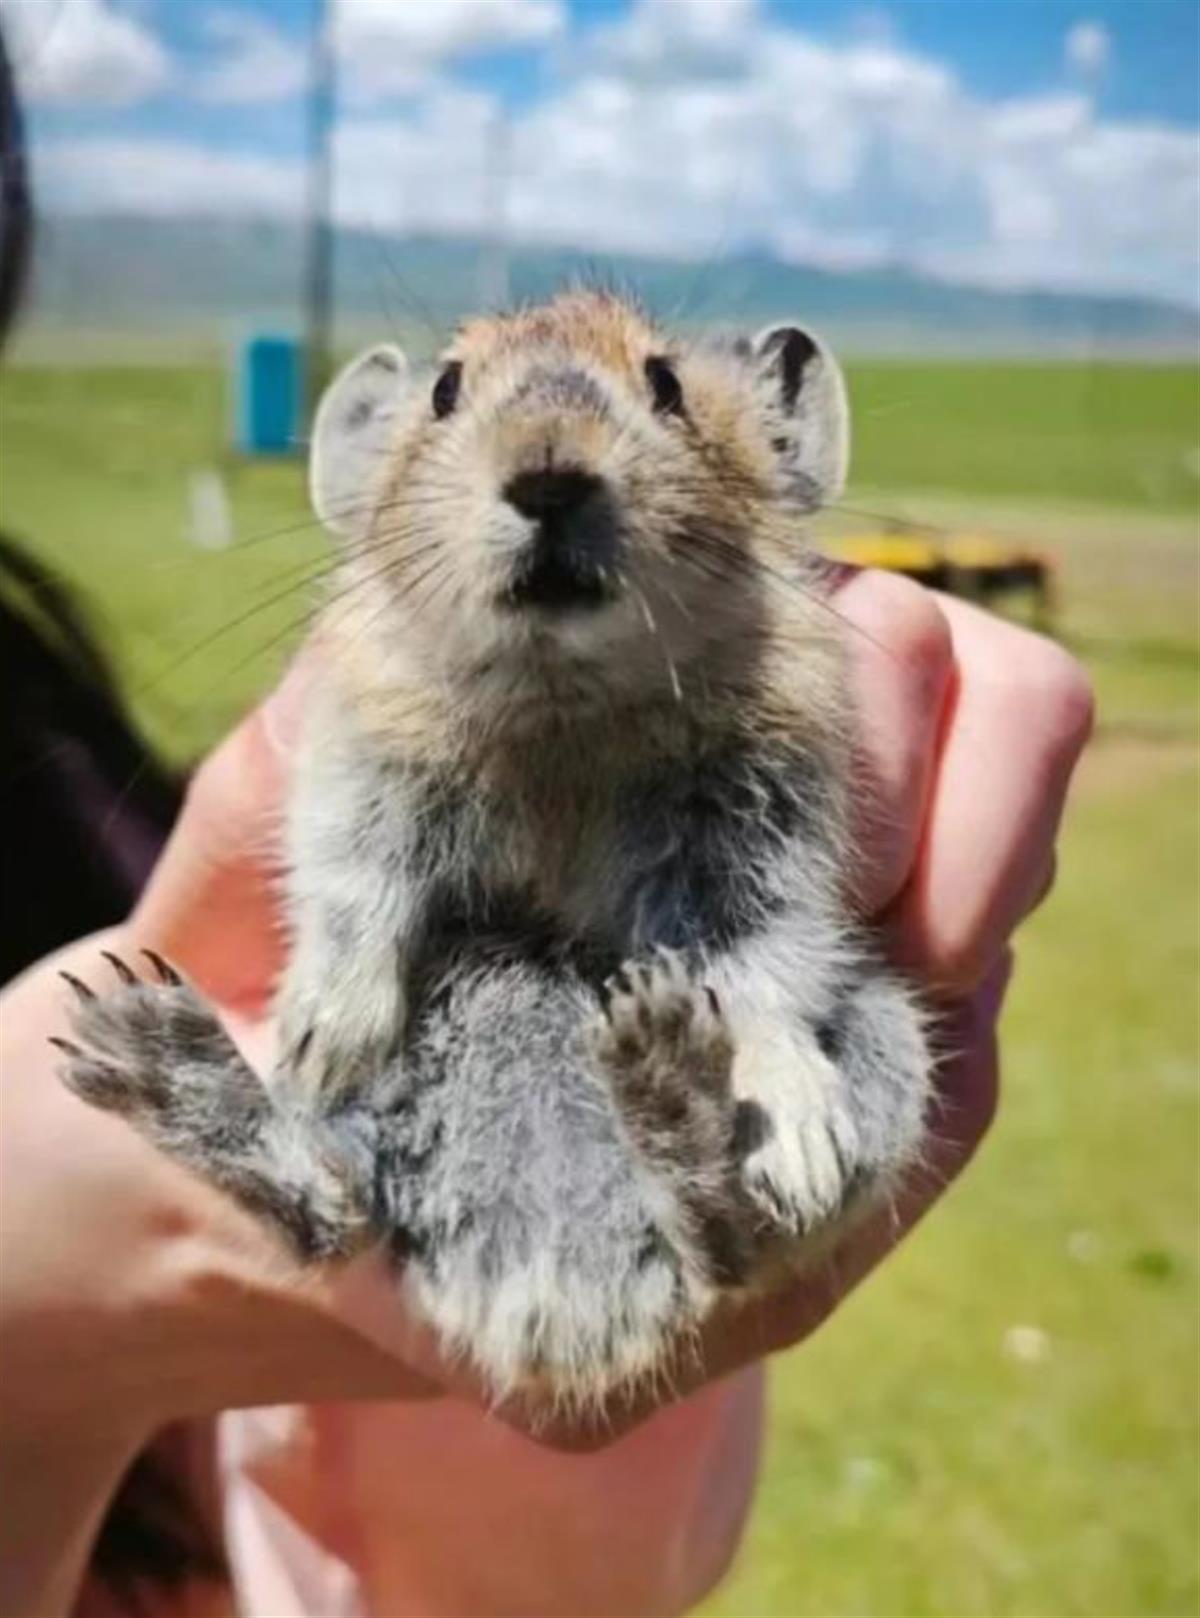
[[269, 396]]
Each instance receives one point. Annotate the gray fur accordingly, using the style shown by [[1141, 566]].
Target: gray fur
[[812, 426], [575, 1020], [157, 1055], [354, 425]]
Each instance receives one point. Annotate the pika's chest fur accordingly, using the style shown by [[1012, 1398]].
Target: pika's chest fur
[[576, 839]]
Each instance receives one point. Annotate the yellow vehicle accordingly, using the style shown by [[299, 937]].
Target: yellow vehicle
[[969, 565]]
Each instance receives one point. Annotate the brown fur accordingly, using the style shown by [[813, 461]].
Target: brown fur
[[720, 602]]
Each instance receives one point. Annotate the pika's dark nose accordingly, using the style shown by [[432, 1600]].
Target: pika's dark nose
[[553, 495], [568, 561]]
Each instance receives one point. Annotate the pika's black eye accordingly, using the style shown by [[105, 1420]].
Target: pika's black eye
[[445, 389], [664, 385]]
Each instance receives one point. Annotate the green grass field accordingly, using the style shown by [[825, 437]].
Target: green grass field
[[97, 463], [915, 1465], [1104, 433]]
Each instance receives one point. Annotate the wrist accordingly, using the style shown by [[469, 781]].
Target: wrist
[[57, 1486]]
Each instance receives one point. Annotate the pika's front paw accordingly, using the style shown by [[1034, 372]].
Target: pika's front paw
[[801, 1170], [134, 1048], [337, 1037], [156, 1055], [832, 1118]]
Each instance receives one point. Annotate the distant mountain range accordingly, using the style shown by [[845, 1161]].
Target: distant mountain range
[[202, 279]]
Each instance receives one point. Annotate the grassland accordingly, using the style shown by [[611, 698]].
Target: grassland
[[915, 1465], [1101, 434], [98, 462]]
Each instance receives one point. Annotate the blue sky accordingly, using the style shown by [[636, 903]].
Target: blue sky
[[1016, 142]]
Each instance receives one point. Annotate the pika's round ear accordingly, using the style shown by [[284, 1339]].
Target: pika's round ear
[[353, 429], [810, 415]]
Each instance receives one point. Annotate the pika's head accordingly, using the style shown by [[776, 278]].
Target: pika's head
[[570, 489]]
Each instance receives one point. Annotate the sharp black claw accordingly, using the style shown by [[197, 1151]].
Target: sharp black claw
[[65, 1045], [166, 972], [80, 989], [125, 974], [714, 1005]]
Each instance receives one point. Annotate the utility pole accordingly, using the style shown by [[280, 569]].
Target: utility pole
[[493, 271], [318, 287]]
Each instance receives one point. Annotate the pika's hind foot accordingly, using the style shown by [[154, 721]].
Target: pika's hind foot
[[156, 1055], [666, 1049]]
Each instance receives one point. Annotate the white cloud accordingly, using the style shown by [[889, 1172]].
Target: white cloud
[[665, 40], [1087, 48], [385, 48], [429, 171], [164, 178], [257, 63], [393, 47], [83, 52], [1105, 205], [101, 52], [853, 153]]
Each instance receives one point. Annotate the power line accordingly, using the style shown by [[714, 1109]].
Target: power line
[[319, 242]]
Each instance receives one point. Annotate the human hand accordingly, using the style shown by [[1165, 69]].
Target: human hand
[[134, 1293], [969, 732], [970, 729]]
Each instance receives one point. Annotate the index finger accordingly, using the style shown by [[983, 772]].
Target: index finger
[[212, 903], [1021, 711], [901, 669]]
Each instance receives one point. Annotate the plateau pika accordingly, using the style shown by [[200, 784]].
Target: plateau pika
[[577, 1022]]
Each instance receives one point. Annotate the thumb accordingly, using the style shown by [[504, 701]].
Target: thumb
[[212, 903]]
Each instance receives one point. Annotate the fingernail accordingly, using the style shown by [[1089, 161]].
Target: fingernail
[[989, 997], [282, 714], [838, 574]]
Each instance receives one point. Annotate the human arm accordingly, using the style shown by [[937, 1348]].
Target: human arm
[[178, 1303]]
